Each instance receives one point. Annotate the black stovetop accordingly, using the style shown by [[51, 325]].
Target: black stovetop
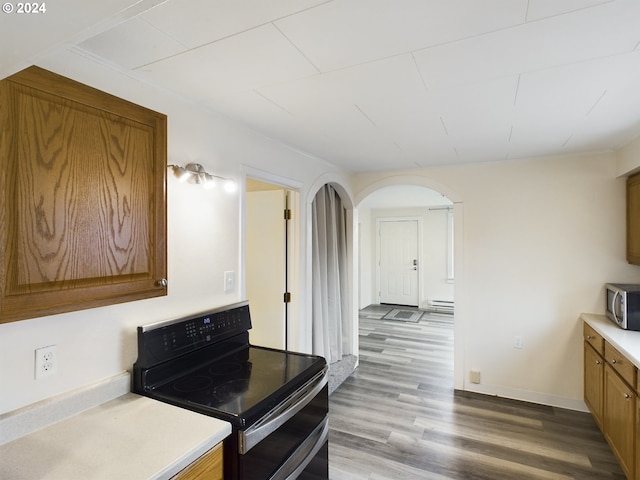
[[242, 386], [220, 374]]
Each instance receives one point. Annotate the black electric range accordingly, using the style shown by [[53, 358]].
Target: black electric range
[[275, 400]]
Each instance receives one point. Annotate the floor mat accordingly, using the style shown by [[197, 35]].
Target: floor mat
[[403, 315]]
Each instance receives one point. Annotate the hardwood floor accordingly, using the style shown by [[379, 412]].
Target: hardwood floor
[[397, 417]]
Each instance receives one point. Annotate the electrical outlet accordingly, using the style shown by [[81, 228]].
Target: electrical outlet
[[474, 376], [46, 361], [517, 341]]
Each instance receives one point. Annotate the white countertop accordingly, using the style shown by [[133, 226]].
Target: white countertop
[[131, 436], [625, 341]]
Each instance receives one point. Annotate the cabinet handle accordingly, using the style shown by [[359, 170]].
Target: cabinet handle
[[627, 396], [614, 361], [162, 283], [598, 362], [589, 337]]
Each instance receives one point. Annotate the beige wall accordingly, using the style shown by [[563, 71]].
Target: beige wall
[[539, 238]]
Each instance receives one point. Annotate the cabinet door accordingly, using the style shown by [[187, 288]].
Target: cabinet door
[[633, 219], [82, 197], [594, 382], [619, 419], [637, 434], [207, 467]]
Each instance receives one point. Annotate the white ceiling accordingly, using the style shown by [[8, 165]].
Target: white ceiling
[[375, 84]]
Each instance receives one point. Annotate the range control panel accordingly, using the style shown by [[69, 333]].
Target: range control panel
[[166, 340]]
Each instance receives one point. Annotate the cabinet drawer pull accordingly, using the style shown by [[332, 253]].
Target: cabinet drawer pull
[[614, 361], [589, 337]]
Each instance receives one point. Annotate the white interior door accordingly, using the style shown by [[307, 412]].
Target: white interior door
[[398, 262], [265, 252]]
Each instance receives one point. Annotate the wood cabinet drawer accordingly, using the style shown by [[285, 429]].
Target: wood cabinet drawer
[[620, 364], [594, 339]]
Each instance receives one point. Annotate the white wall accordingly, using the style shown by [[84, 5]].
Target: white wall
[[433, 253], [366, 254], [539, 239], [203, 242]]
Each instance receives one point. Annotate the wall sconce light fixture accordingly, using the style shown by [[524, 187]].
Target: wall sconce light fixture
[[196, 174]]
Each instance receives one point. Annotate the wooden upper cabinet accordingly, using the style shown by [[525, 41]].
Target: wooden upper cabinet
[[633, 219], [82, 197]]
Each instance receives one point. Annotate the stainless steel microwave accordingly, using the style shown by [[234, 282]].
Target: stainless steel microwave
[[623, 305]]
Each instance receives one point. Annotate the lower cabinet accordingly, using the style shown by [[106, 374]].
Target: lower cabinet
[[207, 467], [619, 419], [610, 393], [637, 435], [594, 382]]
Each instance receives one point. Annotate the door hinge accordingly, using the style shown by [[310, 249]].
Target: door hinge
[[287, 214], [287, 297]]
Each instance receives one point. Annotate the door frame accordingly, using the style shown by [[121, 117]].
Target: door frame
[[293, 244], [418, 221]]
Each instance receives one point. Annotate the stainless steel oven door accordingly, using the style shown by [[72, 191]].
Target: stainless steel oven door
[[283, 412], [297, 448], [304, 454]]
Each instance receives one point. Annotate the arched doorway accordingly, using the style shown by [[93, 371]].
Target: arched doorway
[[332, 283], [457, 247]]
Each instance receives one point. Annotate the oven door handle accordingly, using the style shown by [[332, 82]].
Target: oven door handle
[[303, 455], [268, 424]]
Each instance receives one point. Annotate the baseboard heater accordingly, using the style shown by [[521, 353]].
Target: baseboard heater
[[440, 306]]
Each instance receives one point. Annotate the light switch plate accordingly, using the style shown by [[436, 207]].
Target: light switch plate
[[229, 281]]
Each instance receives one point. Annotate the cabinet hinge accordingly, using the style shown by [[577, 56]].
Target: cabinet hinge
[[287, 214], [287, 297]]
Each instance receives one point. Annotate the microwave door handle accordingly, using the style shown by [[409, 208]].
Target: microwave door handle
[[613, 306]]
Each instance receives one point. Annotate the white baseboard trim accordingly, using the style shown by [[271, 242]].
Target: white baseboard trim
[[528, 396]]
